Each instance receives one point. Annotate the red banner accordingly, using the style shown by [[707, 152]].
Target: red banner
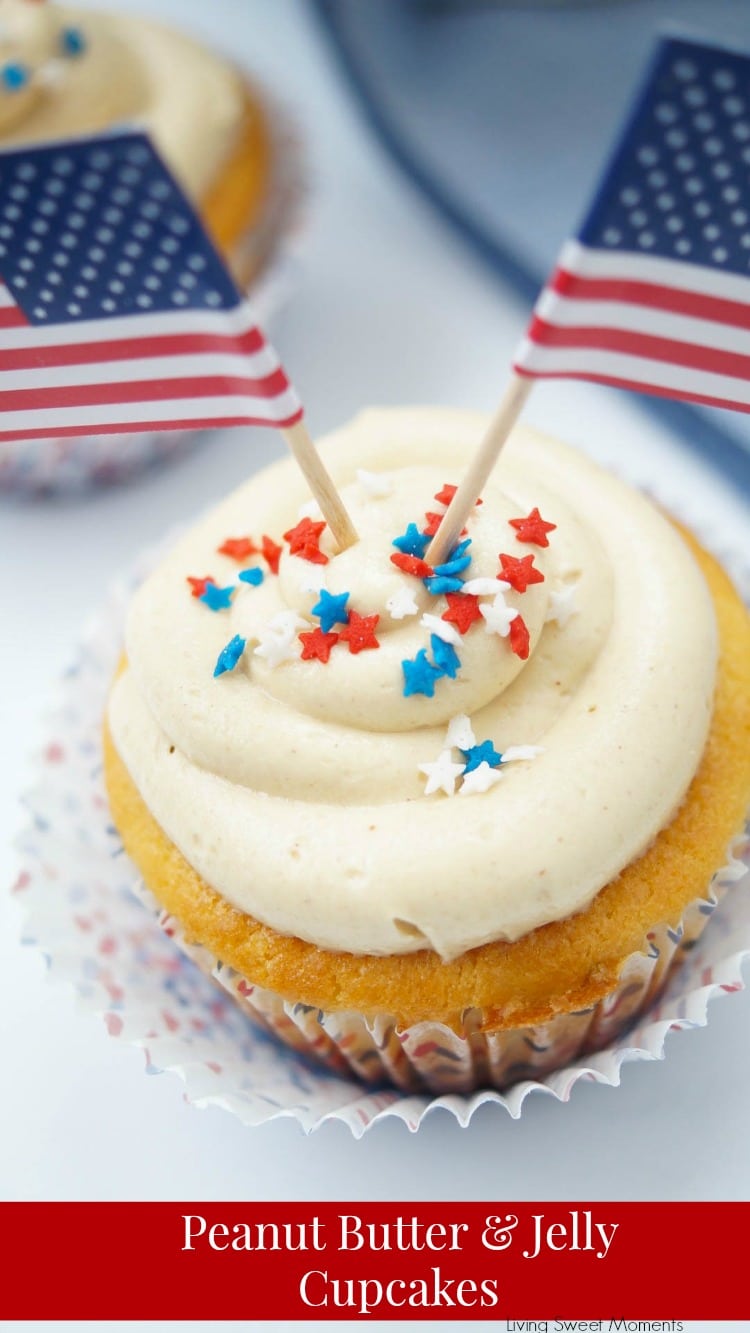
[[596, 1267]]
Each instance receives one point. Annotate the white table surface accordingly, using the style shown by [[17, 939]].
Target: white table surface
[[389, 309]]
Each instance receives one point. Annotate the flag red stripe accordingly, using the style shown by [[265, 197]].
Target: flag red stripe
[[614, 381], [129, 349], [134, 427], [12, 318], [694, 356], [653, 295], [147, 391]]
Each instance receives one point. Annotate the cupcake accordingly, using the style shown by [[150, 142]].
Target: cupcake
[[445, 827], [66, 73]]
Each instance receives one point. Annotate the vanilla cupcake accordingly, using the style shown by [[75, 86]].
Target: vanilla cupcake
[[447, 827], [66, 73]]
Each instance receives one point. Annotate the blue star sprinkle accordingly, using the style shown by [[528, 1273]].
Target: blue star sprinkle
[[230, 656], [445, 656], [14, 76], [413, 542], [441, 583], [217, 599], [72, 42], [253, 575], [455, 565], [481, 754], [419, 675], [331, 610]]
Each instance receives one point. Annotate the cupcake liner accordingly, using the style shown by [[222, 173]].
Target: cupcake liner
[[78, 892], [271, 251]]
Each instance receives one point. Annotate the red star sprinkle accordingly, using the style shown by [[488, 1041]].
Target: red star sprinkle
[[445, 496], [304, 541], [359, 632], [433, 523], [199, 585], [239, 548], [316, 646], [532, 528], [463, 610], [411, 564], [519, 573], [519, 637], [271, 554]]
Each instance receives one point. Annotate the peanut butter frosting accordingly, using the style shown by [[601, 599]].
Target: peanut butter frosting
[[315, 795], [67, 72]]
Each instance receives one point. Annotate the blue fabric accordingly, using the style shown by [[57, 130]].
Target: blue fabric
[[503, 116]]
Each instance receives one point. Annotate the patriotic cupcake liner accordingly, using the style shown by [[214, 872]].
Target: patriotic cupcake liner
[[273, 251], [80, 899]]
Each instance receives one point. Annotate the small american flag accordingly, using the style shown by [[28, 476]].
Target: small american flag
[[654, 293], [116, 312]]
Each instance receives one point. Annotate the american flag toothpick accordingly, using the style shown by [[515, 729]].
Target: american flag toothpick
[[653, 294], [118, 315]]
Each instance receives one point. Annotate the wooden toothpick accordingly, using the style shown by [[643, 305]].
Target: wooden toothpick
[[473, 480], [321, 484]]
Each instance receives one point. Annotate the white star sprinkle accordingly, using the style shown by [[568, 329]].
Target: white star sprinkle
[[440, 627], [460, 734], [515, 752], [499, 616], [402, 604], [277, 638], [376, 485], [561, 605], [442, 775], [485, 587], [479, 779]]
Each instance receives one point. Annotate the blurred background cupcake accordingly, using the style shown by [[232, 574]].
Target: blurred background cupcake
[[66, 73]]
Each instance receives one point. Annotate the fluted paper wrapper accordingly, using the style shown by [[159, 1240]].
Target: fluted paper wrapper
[[271, 251], [83, 907]]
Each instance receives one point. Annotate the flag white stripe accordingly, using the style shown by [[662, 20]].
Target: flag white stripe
[[631, 267], [587, 361], [198, 365], [5, 297], [565, 312], [186, 410], [236, 322]]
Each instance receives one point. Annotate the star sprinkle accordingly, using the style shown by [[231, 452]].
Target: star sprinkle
[[532, 528], [230, 656], [238, 548], [480, 779], [498, 616], [447, 493], [277, 638], [218, 599], [401, 605], [519, 638], [376, 485], [304, 541], [412, 542], [419, 675], [463, 610], [520, 573], [445, 657], [253, 575], [561, 605], [455, 565], [442, 775], [199, 585], [515, 753], [438, 584], [411, 564], [481, 754], [359, 632], [460, 734], [438, 626], [317, 644], [331, 609], [271, 552], [432, 523]]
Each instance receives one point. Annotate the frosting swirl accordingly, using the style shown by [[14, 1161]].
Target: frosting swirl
[[296, 790], [72, 72]]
